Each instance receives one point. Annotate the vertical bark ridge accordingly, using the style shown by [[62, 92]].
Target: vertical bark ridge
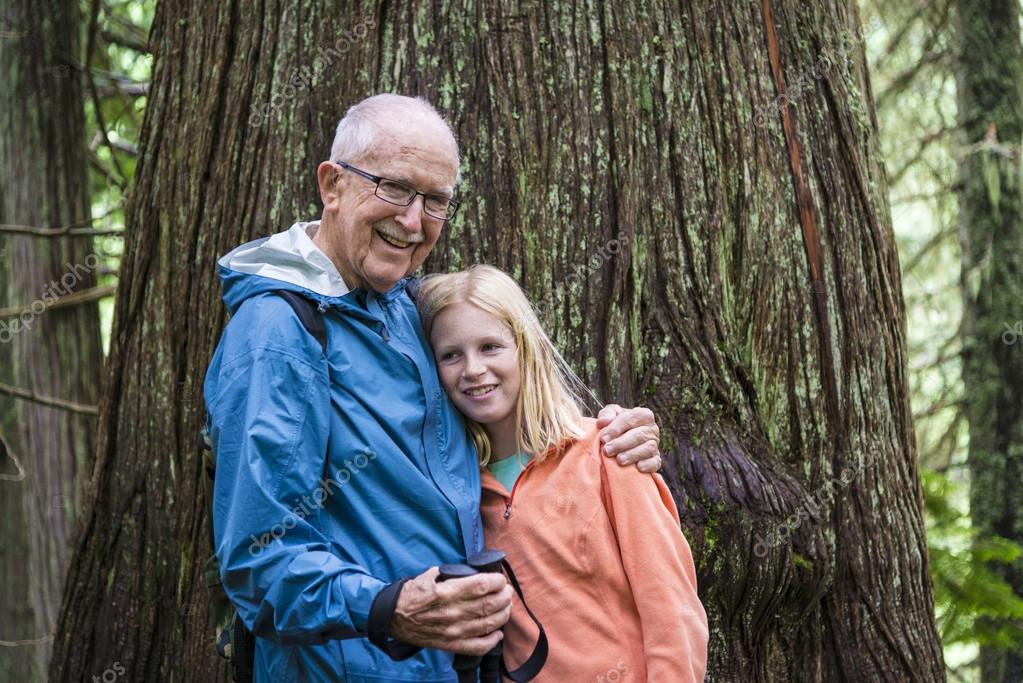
[[807, 215]]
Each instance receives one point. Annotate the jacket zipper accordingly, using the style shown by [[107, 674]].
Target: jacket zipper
[[385, 308], [507, 506]]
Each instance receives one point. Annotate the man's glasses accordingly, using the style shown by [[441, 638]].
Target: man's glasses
[[400, 194]]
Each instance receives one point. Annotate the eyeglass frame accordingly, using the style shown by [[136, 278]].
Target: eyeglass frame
[[452, 203]]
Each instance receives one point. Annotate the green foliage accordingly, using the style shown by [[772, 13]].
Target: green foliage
[[975, 606], [114, 91]]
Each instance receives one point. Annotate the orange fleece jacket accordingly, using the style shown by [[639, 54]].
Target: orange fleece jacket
[[600, 554]]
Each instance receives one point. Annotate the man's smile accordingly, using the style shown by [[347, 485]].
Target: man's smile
[[393, 240]]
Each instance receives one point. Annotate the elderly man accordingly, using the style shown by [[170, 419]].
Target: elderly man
[[342, 468]]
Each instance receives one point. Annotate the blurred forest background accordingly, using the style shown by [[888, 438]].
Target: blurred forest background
[[917, 53]]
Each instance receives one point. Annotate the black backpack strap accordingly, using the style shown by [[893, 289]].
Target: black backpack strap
[[243, 659], [308, 314]]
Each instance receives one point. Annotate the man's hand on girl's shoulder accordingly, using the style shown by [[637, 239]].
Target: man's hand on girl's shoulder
[[630, 436]]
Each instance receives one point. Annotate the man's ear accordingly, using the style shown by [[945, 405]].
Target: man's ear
[[330, 190]]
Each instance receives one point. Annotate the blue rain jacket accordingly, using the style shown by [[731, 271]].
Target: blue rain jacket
[[335, 476]]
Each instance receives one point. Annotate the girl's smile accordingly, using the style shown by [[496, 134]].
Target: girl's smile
[[480, 393]]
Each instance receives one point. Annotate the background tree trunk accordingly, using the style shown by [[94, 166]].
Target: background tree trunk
[[989, 64], [56, 353], [696, 244]]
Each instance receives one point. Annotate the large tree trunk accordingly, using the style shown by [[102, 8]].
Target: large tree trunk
[[989, 64], [694, 246], [55, 353]]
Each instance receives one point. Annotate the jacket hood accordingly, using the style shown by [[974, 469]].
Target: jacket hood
[[287, 260]]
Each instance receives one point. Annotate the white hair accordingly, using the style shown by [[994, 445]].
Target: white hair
[[358, 132]]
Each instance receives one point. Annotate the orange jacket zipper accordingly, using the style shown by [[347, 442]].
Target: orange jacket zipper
[[507, 506]]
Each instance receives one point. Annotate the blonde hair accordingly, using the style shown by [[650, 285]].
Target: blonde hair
[[548, 409]]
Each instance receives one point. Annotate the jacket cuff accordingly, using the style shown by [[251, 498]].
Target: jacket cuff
[[379, 626]]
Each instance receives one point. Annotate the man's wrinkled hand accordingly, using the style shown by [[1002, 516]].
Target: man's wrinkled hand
[[630, 436], [464, 616]]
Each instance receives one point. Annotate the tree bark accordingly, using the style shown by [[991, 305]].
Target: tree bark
[[54, 353], [989, 62], [696, 243]]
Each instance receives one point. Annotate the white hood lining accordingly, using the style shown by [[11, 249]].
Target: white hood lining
[[292, 257]]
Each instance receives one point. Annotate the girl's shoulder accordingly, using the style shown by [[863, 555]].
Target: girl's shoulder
[[582, 456], [584, 447], [588, 426]]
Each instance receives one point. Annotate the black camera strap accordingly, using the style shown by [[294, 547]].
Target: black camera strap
[[488, 666], [531, 667]]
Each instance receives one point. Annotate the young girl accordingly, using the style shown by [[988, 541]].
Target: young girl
[[597, 548]]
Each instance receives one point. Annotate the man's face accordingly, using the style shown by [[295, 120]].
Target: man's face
[[374, 243]]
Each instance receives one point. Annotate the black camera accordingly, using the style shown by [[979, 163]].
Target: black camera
[[490, 667]]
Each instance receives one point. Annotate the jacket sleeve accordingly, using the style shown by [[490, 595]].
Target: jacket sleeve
[[660, 570], [269, 419]]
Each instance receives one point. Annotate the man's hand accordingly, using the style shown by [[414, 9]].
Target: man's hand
[[630, 436], [464, 616]]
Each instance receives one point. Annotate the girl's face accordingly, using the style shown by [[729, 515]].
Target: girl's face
[[478, 363]]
